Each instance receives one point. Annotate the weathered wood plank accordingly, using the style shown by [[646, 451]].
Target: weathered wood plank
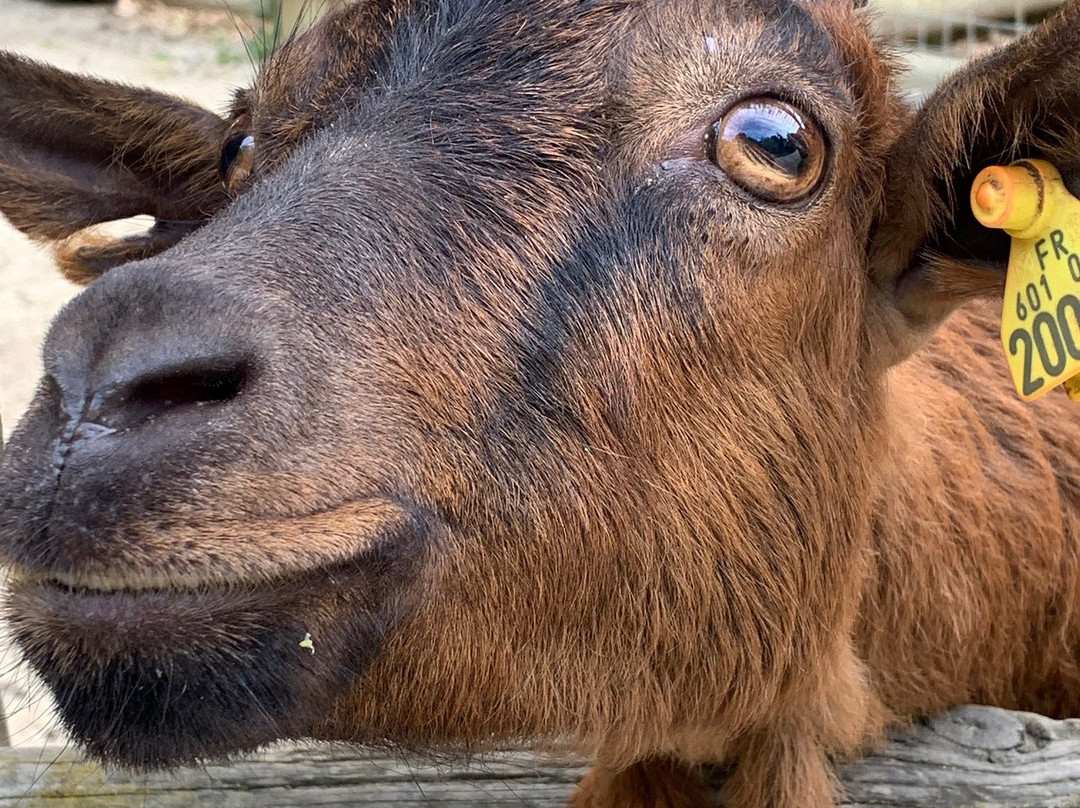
[[971, 757], [295, 776]]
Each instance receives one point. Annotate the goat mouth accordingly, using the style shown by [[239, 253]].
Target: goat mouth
[[150, 678]]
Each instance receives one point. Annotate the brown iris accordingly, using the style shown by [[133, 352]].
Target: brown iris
[[770, 148], [237, 161]]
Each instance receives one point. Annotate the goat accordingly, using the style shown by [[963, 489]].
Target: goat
[[618, 375]]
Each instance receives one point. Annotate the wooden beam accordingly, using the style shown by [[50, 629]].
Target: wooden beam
[[972, 756]]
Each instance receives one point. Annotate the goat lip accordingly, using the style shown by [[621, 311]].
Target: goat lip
[[159, 621], [103, 585], [91, 588], [148, 556], [123, 608]]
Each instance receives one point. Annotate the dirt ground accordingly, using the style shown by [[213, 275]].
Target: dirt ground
[[199, 55]]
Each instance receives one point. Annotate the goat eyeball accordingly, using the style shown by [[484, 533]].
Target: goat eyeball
[[770, 149], [237, 160]]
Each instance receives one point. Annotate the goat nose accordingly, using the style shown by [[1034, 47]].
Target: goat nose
[[119, 360]]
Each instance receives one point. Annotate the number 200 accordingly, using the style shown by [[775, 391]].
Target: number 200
[[1046, 328]]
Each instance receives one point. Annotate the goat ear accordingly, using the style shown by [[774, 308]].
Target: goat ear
[[75, 152], [927, 253]]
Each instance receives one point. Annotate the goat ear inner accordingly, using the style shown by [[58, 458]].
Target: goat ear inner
[[927, 252], [76, 152]]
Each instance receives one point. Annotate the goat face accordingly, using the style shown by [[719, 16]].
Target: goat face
[[532, 368]]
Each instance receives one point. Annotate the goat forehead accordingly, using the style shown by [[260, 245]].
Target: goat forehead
[[462, 38], [502, 117], [501, 110], [475, 76], [530, 41]]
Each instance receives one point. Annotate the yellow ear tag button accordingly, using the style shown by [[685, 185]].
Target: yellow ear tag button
[[1040, 324]]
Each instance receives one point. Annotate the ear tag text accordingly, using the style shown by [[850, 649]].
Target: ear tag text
[[1040, 323]]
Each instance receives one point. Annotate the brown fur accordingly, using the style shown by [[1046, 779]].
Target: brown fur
[[540, 427], [75, 152], [301, 87]]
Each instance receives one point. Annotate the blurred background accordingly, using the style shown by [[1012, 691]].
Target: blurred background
[[203, 50], [936, 35]]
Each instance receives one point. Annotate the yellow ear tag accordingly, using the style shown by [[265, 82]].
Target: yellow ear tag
[[1040, 324]]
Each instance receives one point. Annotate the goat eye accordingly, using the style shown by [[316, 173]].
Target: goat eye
[[237, 160], [769, 148]]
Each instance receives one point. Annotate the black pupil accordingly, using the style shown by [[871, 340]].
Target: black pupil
[[230, 152], [773, 134]]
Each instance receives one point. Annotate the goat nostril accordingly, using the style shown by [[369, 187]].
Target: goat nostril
[[157, 393], [191, 386]]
